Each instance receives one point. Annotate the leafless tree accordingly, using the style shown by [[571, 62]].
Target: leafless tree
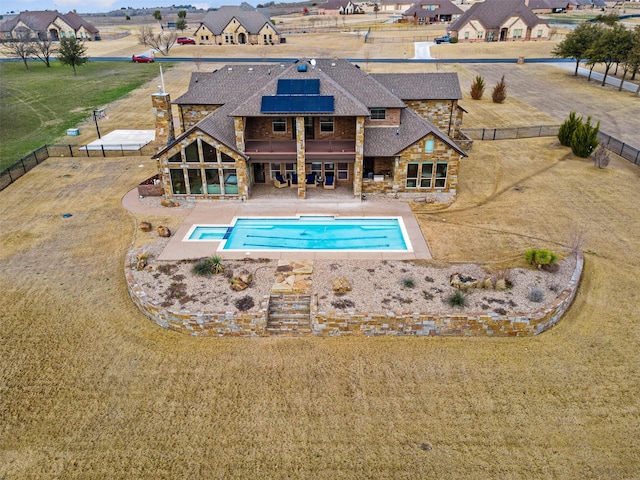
[[44, 48], [22, 46], [161, 41]]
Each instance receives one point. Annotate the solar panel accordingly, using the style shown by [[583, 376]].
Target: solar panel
[[292, 86], [297, 104]]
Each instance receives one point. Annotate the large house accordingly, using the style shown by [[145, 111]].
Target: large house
[[236, 25], [48, 24], [311, 124], [339, 7], [499, 20], [432, 11]]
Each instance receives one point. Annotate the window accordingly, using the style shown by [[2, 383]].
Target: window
[[274, 169], [343, 171], [195, 181], [177, 158], [316, 168], [378, 114], [441, 174], [540, 33], [191, 152], [425, 175], [212, 177], [330, 169], [209, 153], [466, 35], [230, 181], [228, 38], [290, 169], [479, 34], [177, 181], [412, 175], [517, 33], [326, 124], [279, 124], [428, 145], [226, 158]]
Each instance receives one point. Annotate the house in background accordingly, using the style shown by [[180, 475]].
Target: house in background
[[309, 121], [236, 25], [339, 7], [48, 24], [499, 20], [390, 6], [548, 6], [432, 11]]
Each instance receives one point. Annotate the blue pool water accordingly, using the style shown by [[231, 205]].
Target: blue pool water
[[308, 233]]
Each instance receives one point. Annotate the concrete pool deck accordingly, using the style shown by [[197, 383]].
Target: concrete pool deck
[[223, 212]]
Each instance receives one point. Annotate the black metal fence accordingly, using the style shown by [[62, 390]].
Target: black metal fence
[[36, 157], [612, 144]]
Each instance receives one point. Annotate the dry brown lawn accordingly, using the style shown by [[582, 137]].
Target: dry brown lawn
[[90, 388]]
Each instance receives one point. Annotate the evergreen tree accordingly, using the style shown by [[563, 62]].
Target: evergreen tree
[[72, 52], [585, 139], [565, 134], [477, 88], [499, 93]]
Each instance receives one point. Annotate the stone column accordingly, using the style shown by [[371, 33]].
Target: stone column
[[238, 123], [300, 155], [164, 119], [358, 163]]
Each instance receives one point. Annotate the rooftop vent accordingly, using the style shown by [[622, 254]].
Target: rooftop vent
[[302, 68]]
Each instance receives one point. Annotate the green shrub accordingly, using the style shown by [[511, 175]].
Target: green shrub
[[216, 265], [454, 40], [585, 139], [202, 268], [408, 282], [567, 128], [540, 257], [457, 299], [477, 88]]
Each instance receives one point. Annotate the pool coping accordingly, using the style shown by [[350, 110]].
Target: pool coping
[[220, 213]]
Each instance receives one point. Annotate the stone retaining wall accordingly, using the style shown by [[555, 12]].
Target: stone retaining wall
[[251, 324], [451, 323]]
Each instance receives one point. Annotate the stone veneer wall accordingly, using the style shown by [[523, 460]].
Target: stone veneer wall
[[442, 113], [454, 324], [193, 114], [206, 324], [250, 324]]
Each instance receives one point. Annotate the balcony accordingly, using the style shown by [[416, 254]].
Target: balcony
[[268, 150]]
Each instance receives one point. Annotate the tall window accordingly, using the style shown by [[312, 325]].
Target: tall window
[[517, 33], [425, 175], [195, 181], [279, 124], [209, 153], [539, 33], [212, 176], [177, 181], [412, 175], [326, 124], [343, 171], [191, 152], [378, 114], [441, 175], [479, 34], [466, 35]]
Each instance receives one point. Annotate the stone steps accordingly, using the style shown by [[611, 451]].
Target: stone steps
[[289, 314]]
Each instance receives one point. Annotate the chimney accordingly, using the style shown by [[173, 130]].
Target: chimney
[[164, 119]]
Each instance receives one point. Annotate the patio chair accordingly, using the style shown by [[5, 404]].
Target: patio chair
[[310, 180], [329, 183], [280, 182], [293, 183]]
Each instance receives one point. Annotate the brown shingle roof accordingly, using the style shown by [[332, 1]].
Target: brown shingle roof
[[39, 21], [443, 7], [252, 19], [493, 13], [420, 86]]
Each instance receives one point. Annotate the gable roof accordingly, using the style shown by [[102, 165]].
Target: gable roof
[[443, 7], [418, 86], [353, 90], [249, 17], [493, 13], [39, 21]]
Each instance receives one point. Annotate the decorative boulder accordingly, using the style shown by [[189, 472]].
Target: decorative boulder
[[168, 203], [238, 285], [164, 231], [245, 277], [145, 226], [463, 282], [341, 285]]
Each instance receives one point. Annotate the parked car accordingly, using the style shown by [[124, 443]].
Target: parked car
[[142, 59], [186, 41], [443, 39]]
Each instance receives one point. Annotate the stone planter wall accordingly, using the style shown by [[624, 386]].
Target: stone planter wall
[[327, 323]]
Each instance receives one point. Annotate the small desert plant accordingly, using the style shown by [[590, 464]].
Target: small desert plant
[[245, 303], [408, 282], [457, 299], [601, 157], [541, 258], [427, 295], [536, 295], [477, 88], [486, 283], [567, 128], [499, 93], [503, 281], [202, 268], [216, 265], [585, 139]]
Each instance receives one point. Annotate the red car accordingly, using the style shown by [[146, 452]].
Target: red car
[[142, 59], [186, 41]]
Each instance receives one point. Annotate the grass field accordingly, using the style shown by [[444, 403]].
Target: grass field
[[38, 107]]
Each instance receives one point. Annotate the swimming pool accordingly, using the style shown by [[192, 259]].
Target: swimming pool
[[307, 233]]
